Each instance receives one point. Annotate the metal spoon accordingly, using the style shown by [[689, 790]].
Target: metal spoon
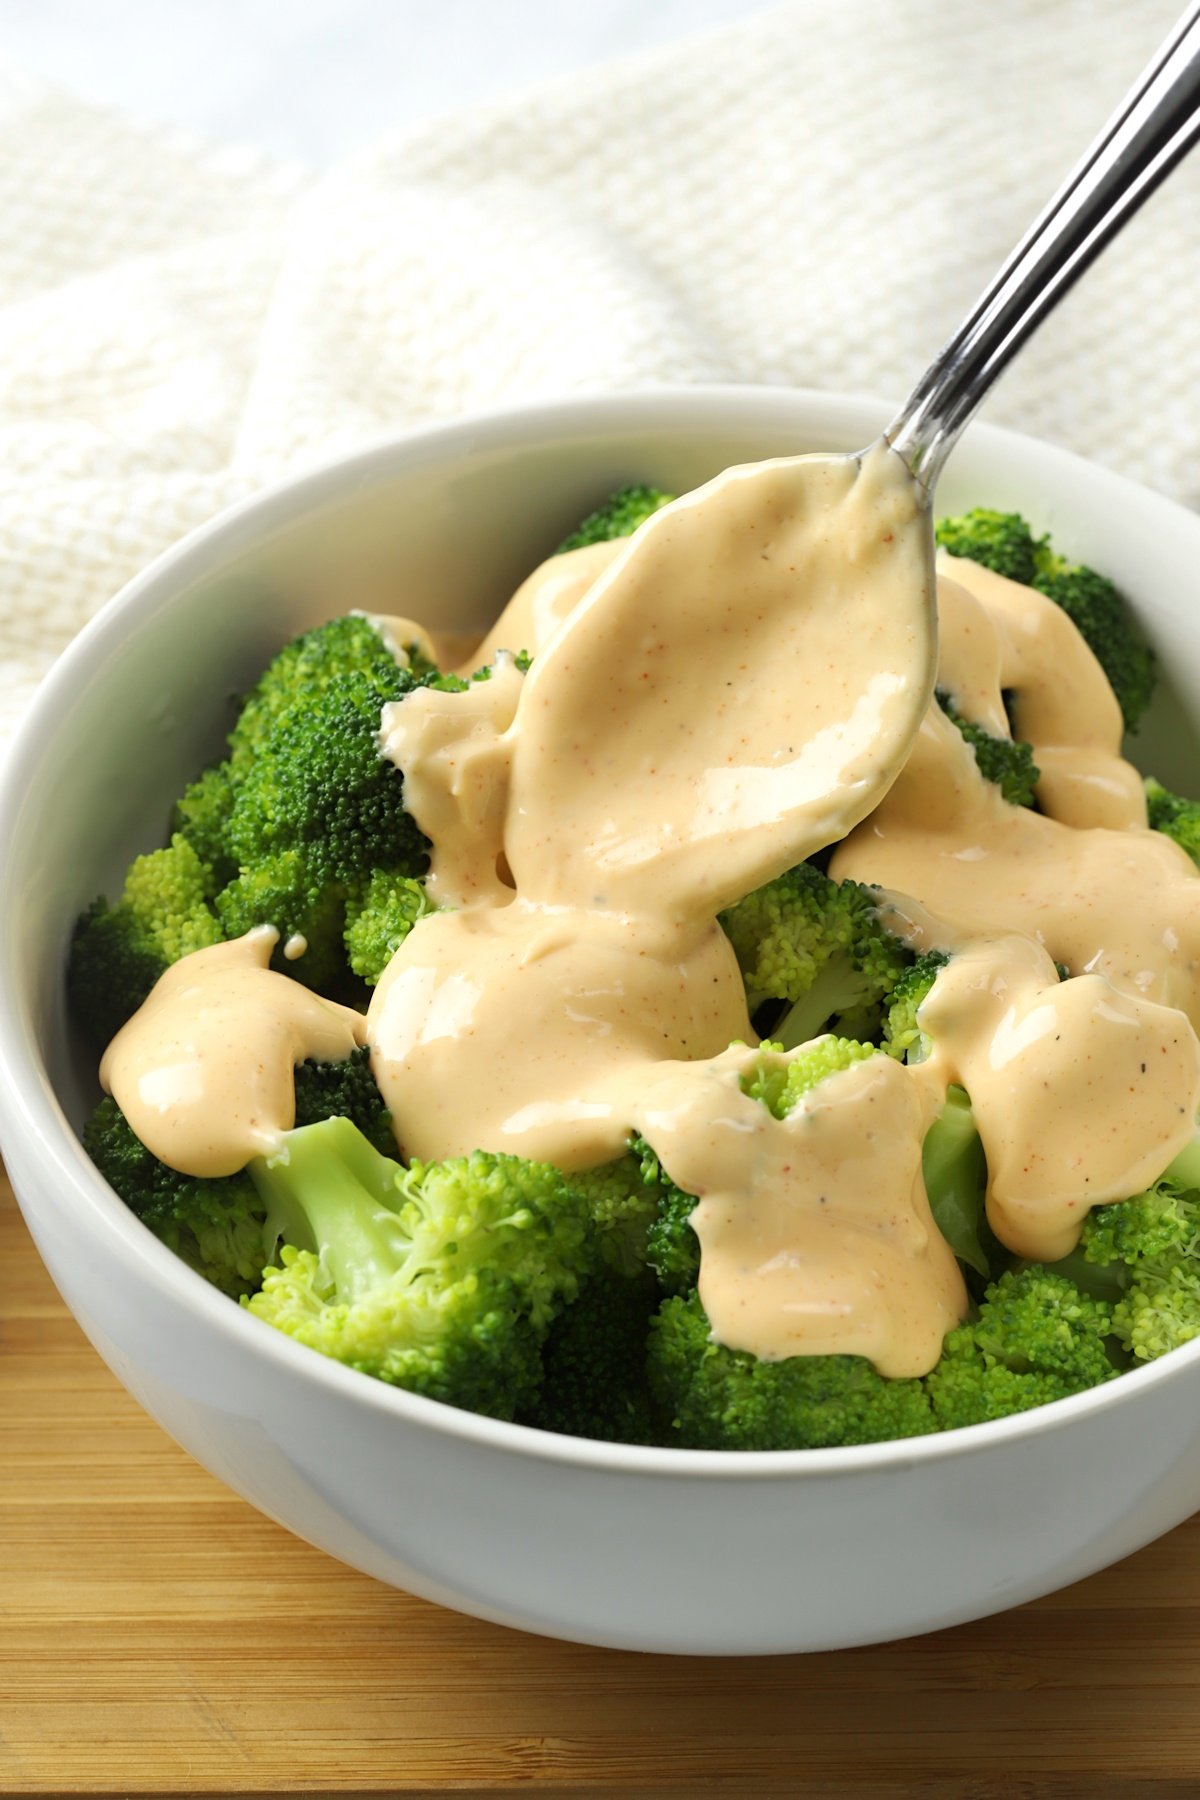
[[1153, 128]]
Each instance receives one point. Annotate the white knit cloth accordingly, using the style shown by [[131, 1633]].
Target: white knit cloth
[[813, 197]]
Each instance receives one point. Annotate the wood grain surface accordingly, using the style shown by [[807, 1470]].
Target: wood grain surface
[[157, 1636]]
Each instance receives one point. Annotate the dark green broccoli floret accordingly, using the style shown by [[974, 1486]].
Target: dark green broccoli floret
[[815, 948], [619, 517], [594, 1381], [119, 952], [1096, 607], [1004, 542], [1037, 1338], [215, 1225], [291, 892], [202, 817], [1179, 818], [315, 808], [442, 1278], [379, 916], [345, 1090], [997, 540], [902, 1036], [1148, 1248], [1006, 761], [712, 1398]]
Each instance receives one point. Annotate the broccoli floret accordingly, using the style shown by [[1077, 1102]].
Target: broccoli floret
[[1179, 818], [996, 540], [315, 809], [619, 517], [815, 948], [712, 1398], [202, 817], [306, 668], [1149, 1250], [379, 916], [291, 892], [118, 953], [216, 1225], [1104, 620], [300, 816], [594, 1382], [442, 1278], [1006, 761], [1037, 1338], [902, 1036], [1004, 542], [345, 1090], [621, 1198]]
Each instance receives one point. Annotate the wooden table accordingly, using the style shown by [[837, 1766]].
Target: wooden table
[[157, 1636]]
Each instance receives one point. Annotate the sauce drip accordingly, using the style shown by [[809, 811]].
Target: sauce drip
[[203, 1069], [815, 1230], [1080, 1094]]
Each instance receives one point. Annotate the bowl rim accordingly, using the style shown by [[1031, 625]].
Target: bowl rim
[[29, 1107]]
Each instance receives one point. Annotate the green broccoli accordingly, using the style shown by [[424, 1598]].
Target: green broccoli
[[1003, 542], [305, 811], [118, 953], [442, 1278], [1006, 761], [712, 1398], [1103, 617], [202, 817], [902, 1035], [1037, 1338], [621, 1198], [291, 891], [217, 1224], [1147, 1252], [594, 1382], [996, 540], [380, 913], [1179, 818], [619, 517], [813, 956], [345, 1090]]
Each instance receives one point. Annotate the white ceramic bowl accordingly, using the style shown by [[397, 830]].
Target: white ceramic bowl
[[644, 1549]]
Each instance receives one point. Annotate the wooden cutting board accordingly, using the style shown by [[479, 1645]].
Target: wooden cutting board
[[157, 1636]]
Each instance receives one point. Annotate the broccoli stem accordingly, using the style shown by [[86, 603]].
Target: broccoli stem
[[328, 1189], [837, 988], [955, 1173]]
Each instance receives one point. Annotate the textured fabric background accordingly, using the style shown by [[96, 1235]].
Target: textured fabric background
[[813, 197]]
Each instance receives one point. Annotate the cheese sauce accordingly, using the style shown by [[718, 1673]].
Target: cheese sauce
[[746, 680], [203, 1070]]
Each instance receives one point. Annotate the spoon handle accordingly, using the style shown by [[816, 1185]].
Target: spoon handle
[[1155, 125]]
